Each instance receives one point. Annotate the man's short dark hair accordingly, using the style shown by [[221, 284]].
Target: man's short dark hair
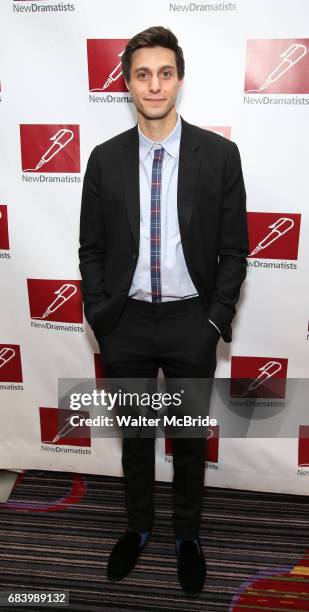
[[157, 36]]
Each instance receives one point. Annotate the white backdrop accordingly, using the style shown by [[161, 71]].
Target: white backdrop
[[247, 77]]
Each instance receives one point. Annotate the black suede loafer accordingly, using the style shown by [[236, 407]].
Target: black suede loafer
[[124, 555], [191, 567]]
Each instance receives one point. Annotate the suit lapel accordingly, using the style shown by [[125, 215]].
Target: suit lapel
[[130, 171], [189, 163]]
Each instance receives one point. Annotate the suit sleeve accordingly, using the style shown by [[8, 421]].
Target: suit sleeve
[[233, 246], [92, 239]]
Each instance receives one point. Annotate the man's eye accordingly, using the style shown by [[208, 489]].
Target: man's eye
[[167, 74], [141, 75]]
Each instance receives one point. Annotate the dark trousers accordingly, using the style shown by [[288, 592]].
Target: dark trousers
[[177, 337]]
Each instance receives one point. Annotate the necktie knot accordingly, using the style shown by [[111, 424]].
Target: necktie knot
[[158, 154]]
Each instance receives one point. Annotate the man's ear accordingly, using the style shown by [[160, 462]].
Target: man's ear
[[180, 84], [127, 85]]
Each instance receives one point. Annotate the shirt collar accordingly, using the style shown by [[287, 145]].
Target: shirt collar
[[170, 143]]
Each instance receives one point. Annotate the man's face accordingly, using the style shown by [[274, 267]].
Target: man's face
[[154, 82]]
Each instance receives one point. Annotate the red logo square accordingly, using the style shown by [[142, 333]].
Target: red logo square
[[303, 446], [222, 130], [98, 366], [258, 377], [277, 66], [50, 148], [212, 454], [212, 449], [273, 235], [57, 429], [4, 230], [10, 363], [104, 64], [55, 300]]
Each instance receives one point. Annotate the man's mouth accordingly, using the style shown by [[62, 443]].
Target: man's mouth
[[155, 99]]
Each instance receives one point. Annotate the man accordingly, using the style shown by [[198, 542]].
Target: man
[[162, 257]]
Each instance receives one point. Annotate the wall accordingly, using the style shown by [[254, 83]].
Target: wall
[[56, 58]]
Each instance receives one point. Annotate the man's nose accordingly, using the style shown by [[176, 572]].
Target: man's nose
[[154, 84]]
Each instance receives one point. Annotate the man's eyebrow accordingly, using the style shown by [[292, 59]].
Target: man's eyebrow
[[161, 68]]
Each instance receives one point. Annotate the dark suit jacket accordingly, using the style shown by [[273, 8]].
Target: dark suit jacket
[[212, 220]]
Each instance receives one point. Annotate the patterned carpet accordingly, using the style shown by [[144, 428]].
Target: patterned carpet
[[57, 529]]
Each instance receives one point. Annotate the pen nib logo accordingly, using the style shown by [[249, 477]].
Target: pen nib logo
[[66, 429], [278, 229], [64, 293], [112, 77], [267, 371], [6, 354], [59, 140], [57, 428], [291, 56]]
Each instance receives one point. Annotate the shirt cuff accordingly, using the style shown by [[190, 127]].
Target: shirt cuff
[[214, 326]]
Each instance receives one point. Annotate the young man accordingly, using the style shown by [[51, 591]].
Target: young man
[[163, 255]]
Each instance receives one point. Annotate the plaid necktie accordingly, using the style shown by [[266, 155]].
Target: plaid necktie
[[155, 225]]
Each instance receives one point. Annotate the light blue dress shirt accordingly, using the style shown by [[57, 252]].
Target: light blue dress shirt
[[176, 283]]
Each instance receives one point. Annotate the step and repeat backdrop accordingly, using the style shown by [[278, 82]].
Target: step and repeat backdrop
[[62, 93]]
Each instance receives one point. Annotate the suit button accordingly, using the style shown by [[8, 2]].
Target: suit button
[[134, 256], [124, 289]]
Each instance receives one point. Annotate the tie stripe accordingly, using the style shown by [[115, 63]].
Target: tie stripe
[[155, 225]]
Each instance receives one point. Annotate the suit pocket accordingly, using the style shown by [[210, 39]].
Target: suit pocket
[[95, 312]]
